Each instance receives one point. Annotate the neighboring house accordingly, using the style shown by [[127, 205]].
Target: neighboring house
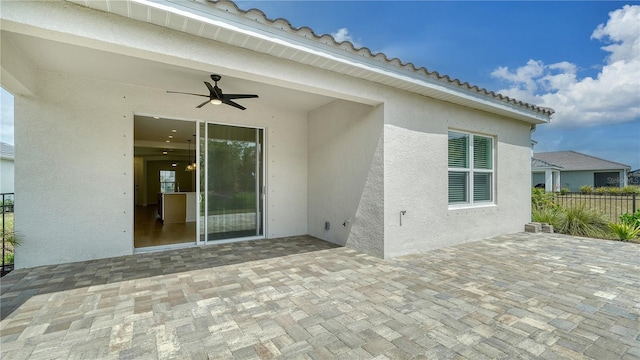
[[348, 146], [634, 177], [6, 168], [545, 175], [577, 169]]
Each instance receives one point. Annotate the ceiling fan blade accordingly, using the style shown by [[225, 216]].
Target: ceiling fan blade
[[214, 90], [234, 104], [210, 87], [203, 104], [239, 96], [186, 93]]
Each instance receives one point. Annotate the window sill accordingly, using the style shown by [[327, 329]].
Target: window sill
[[475, 206]]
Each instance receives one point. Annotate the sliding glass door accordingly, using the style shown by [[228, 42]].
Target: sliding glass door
[[231, 182]]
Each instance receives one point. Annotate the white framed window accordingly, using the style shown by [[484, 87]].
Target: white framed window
[[167, 181], [471, 169]]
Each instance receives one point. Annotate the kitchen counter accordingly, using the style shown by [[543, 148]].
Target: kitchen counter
[[177, 207]]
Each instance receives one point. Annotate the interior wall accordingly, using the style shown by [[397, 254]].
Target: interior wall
[[416, 180], [186, 179], [76, 187], [139, 185], [345, 176]]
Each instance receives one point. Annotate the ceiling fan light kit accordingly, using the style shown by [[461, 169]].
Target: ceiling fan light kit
[[216, 96]]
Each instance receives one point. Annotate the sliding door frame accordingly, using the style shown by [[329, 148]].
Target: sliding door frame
[[261, 183]]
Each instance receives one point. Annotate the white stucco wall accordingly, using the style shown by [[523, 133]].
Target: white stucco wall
[[342, 161], [415, 176], [345, 179], [75, 191]]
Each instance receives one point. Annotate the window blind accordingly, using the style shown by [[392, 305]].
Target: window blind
[[458, 184], [482, 147], [481, 186], [458, 150]]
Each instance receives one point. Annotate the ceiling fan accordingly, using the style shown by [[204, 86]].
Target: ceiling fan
[[217, 97]]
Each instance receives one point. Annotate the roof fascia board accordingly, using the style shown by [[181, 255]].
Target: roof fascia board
[[538, 168], [436, 89]]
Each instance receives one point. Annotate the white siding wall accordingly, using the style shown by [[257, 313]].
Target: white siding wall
[[346, 175], [75, 174], [575, 179]]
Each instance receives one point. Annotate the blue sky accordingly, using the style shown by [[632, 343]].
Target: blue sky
[[581, 58]]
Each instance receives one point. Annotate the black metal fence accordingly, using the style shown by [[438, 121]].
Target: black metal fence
[[6, 206], [613, 205]]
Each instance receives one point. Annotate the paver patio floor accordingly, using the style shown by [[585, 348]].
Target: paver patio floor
[[516, 296]]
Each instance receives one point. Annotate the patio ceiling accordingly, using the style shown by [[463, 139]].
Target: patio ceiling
[[52, 56]]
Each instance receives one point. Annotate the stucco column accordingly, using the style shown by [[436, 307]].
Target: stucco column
[[556, 180], [548, 180]]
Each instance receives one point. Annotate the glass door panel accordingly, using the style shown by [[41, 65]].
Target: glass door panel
[[231, 182], [202, 143]]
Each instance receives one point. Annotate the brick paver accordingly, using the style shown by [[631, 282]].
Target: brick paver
[[517, 296]]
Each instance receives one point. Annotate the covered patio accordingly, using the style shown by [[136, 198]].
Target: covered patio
[[514, 296]]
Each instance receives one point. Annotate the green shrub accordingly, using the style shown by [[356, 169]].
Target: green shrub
[[625, 232], [602, 190], [565, 191], [553, 216], [11, 241], [586, 189], [540, 199], [615, 190], [631, 219], [630, 189], [8, 258], [580, 221]]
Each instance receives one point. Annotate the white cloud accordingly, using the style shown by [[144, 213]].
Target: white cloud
[[343, 35], [611, 97]]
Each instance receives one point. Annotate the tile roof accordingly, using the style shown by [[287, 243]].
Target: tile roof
[[575, 161], [306, 32], [538, 163]]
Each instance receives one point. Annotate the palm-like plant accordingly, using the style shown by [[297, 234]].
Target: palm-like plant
[[9, 242], [625, 232], [580, 221]]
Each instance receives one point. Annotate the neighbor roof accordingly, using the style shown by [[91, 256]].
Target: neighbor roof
[[575, 161], [252, 29], [538, 163]]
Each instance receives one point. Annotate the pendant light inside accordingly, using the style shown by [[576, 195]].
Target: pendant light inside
[[190, 167]]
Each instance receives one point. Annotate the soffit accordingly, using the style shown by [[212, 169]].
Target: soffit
[[58, 57], [223, 21]]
